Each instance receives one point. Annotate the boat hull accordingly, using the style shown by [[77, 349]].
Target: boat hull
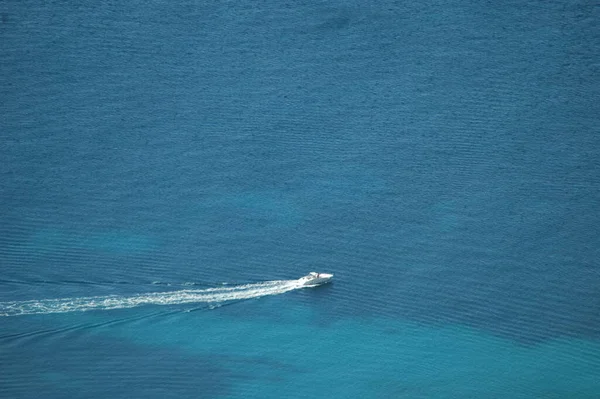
[[315, 279]]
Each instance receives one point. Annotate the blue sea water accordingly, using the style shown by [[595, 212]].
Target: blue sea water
[[169, 168]]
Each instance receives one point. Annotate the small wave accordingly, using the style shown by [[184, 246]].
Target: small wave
[[208, 295]]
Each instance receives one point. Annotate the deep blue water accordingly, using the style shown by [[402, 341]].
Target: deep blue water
[[442, 158]]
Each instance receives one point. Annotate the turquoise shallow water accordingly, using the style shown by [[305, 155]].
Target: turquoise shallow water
[[169, 168]]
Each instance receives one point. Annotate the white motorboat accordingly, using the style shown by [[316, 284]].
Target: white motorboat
[[314, 278]]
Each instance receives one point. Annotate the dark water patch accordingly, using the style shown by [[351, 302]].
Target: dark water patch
[[89, 366]]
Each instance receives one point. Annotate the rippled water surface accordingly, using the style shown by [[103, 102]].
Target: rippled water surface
[[169, 170]]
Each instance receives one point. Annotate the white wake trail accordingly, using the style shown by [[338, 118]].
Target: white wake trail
[[209, 295]]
